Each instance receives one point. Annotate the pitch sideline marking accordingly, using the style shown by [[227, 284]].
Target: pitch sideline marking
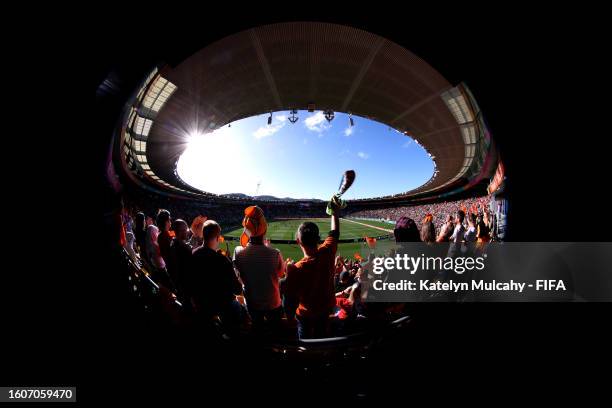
[[367, 225]]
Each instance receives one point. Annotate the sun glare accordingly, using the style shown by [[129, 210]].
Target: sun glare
[[205, 164], [264, 156]]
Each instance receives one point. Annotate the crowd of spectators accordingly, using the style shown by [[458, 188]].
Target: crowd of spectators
[[321, 293], [228, 213], [439, 212]]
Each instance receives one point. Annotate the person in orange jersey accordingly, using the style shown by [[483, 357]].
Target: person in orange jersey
[[310, 281]]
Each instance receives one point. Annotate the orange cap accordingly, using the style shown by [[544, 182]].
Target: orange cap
[[254, 224]]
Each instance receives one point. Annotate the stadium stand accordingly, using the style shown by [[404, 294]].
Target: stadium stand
[[142, 171]]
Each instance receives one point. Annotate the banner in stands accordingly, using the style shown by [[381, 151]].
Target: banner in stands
[[498, 178]]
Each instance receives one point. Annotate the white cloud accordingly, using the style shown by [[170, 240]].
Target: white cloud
[[317, 123], [363, 155], [268, 130], [349, 131], [407, 143], [281, 118]]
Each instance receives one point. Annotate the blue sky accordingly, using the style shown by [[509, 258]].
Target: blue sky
[[305, 159]]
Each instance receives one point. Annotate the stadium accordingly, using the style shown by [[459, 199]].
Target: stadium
[[409, 96], [306, 204], [289, 71], [296, 68]]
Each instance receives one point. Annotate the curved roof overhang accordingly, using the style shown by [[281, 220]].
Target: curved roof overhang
[[303, 66]]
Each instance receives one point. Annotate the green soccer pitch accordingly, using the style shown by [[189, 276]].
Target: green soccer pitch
[[349, 229]]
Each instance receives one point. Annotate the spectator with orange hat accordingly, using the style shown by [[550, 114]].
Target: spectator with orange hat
[[260, 267]]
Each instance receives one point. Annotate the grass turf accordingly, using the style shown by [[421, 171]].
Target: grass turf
[[380, 224], [346, 250], [285, 230]]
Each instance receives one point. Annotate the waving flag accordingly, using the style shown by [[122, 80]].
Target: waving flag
[[197, 225], [371, 242]]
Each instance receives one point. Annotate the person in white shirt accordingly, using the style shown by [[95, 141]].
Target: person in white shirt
[[152, 248], [446, 230], [259, 267], [459, 233]]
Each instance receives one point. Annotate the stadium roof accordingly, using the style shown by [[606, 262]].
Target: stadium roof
[[289, 66]]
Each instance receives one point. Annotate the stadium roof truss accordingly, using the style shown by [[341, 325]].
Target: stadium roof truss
[[289, 66]]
